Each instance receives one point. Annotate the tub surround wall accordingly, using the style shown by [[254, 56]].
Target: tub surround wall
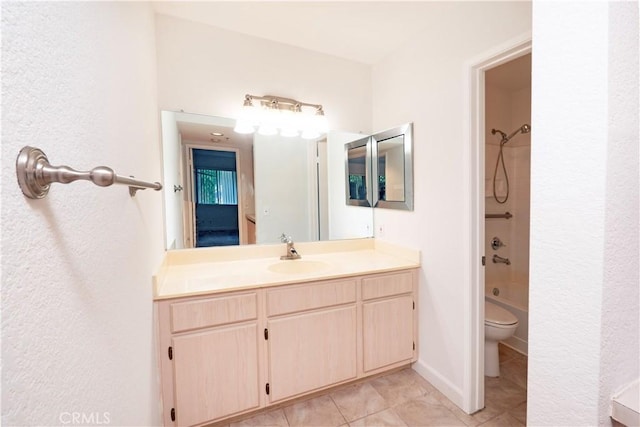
[[507, 107]]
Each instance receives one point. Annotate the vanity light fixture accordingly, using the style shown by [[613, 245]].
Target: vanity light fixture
[[281, 115]]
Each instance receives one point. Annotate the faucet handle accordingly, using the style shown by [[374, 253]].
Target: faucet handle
[[284, 238]]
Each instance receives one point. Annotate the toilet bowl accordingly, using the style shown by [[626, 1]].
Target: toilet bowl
[[499, 324]]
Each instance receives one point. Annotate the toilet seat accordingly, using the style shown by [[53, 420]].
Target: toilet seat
[[495, 315]]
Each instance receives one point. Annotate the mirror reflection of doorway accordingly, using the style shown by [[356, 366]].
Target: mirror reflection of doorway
[[215, 197]]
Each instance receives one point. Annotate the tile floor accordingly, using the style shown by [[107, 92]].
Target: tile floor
[[404, 398]]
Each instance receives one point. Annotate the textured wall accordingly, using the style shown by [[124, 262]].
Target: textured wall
[[620, 327], [78, 81], [583, 341]]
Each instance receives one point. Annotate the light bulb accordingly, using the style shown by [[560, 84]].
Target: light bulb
[[247, 121], [242, 126], [267, 129], [289, 132], [288, 123]]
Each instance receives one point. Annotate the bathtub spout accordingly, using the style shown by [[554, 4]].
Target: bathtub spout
[[498, 259]]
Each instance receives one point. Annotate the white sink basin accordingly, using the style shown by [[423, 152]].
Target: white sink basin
[[297, 267]]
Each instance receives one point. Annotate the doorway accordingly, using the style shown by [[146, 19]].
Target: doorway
[[214, 189], [474, 378]]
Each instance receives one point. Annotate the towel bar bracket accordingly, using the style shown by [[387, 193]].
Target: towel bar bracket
[[35, 175]]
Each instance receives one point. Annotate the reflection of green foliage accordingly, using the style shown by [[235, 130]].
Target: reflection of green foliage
[[357, 187], [382, 179], [215, 187]]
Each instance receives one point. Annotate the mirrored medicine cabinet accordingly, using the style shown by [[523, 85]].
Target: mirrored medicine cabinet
[[379, 169]]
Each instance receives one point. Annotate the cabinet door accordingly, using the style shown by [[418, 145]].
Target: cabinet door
[[310, 351], [215, 373], [387, 332]]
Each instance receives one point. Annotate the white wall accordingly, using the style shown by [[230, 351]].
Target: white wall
[[424, 83], [173, 200], [78, 81], [208, 70], [282, 195], [584, 301]]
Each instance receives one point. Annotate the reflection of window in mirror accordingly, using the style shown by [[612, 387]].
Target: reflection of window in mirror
[[358, 170], [357, 174]]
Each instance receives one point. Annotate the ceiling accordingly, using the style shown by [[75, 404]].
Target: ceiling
[[362, 31], [204, 133]]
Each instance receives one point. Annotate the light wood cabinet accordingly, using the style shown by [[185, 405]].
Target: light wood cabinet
[[311, 351], [209, 357], [216, 374], [388, 320], [228, 354]]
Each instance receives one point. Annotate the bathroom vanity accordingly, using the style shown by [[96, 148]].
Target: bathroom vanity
[[240, 330]]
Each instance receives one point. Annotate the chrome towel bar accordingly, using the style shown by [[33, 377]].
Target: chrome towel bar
[[505, 215], [35, 174]]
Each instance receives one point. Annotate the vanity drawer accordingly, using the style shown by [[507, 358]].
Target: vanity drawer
[[213, 311], [308, 297], [387, 285]]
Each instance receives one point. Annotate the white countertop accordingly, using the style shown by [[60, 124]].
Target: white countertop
[[202, 271], [625, 407]]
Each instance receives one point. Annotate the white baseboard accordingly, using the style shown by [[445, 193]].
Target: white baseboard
[[443, 385]]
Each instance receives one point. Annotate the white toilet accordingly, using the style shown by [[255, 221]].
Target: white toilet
[[499, 324]]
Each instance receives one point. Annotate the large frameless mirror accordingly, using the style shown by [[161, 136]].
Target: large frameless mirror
[[225, 188]]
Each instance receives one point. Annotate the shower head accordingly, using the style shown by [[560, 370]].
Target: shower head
[[502, 134], [525, 128]]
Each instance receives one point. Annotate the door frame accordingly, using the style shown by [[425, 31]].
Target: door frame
[[473, 378], [190, 212]]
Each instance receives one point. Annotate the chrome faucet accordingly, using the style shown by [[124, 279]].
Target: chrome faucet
[[292, 253], [496, 259]]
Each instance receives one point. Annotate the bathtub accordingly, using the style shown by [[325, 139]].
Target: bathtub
[[519, 340]]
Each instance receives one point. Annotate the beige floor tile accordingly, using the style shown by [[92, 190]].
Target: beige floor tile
[[504, 420], [274, 418], [520, 413], [358, 401], [398, 387], [502, 395], [472, 420], [515, 370], [386, 418], [426, 411], [415, 377], [507, 353], [320, 411]]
